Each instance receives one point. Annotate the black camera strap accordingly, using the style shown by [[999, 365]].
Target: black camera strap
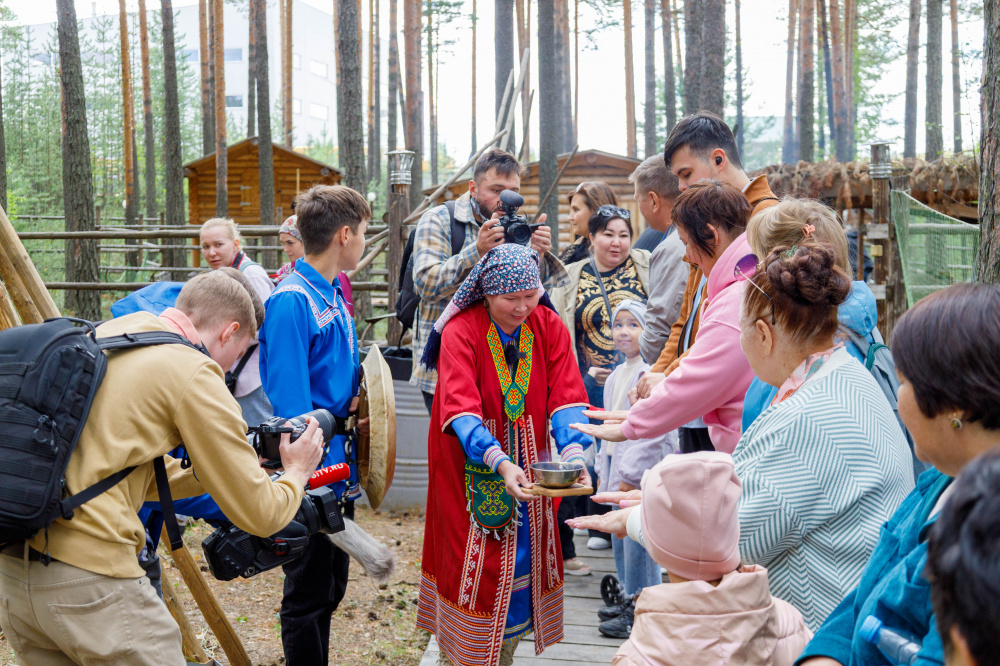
[[607, 304], [167, 504]]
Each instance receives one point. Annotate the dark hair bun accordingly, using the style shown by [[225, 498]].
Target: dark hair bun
[[808, 274]]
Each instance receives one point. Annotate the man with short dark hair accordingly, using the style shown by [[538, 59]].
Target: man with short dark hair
[[309, 360], [437, 273], [700, 147], [655, 191]]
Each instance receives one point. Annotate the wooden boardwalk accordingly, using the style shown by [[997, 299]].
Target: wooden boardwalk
[[582, 642]]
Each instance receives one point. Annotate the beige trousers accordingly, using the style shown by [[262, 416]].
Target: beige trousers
[[506, 655], [60, 615]]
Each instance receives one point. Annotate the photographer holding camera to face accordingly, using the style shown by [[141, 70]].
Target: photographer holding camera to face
[[451, 238], [75, 591]]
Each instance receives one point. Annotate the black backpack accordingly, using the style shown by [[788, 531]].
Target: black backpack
[[408, 301], [49, 375]]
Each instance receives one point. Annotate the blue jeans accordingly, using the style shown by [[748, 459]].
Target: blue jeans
[[636, 569]]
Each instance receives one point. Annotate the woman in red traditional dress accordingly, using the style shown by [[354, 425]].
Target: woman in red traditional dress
[[492, 566]]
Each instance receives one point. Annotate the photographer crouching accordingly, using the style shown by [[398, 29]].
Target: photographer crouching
[[75, 591]]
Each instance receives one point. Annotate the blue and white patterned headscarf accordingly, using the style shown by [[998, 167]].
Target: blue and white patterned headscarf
[[505, 269]]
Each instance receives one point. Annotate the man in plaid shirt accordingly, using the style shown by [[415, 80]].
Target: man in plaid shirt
[[437, 273]]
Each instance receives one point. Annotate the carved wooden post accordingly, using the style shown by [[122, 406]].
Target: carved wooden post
[[400, 162], [878, 232]]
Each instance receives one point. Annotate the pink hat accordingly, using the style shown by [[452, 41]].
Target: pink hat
[[689, 514]]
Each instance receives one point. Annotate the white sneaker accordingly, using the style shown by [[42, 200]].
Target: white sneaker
[[597, 543], [578, 532]]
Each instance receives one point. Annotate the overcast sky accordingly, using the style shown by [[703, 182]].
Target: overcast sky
[[602, 66]]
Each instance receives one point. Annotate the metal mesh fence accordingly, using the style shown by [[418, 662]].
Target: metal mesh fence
[[935, 250]]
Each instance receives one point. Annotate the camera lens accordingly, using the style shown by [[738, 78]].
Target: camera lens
[[519, 233]]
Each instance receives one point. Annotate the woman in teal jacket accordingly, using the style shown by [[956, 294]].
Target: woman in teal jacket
[[945, 353]]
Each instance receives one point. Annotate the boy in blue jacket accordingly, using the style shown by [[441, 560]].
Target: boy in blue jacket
[[309, 360]]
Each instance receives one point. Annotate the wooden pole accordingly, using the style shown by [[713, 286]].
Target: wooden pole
[[208, 604], [33, 302], [8, 316], [221, 156], [878, 231], [189, 641], [398, 205]]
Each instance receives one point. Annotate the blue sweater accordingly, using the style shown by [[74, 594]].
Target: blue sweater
[[821, 472], [892, 587]]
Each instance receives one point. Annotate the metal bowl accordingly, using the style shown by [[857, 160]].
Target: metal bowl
[[556, 474]]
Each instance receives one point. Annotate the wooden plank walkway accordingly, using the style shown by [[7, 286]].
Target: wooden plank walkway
[[582, 642]]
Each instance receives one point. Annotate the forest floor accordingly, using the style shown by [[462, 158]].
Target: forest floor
[[375, 624]]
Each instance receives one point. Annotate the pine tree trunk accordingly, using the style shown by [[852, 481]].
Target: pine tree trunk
[[128, 120], [692, 55], [548, 113], [838, 89], [219, 79], [807, 75], [173, 175], [350, 101], [252, 70], [649, 110], [286, 88], [414, 97], [567, 129], [674, 18], [431, 110], [374, 96], [78, 189], [669, 85], [739, 82], [934, 141], [522, 46], [503, 42], [988, 259], [3, 152], [823, 35], [149, 159], [473, 144], [912, 63], [713, 59], [956, 79], [207, 96], [265, 144], [631, 148], [850, 39], [788, 152], [394, 82]]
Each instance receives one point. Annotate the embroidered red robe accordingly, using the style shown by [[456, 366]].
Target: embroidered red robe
[[466, 576]]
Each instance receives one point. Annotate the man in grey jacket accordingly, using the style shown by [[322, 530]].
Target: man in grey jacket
[[655, 191]]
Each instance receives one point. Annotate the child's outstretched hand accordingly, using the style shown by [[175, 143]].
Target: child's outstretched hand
[[622, 499], [612, 522]]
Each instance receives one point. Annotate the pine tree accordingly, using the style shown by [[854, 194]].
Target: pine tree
[[474, 146], [265, 146], [956, 79], [149, 145], [670, 86], [713, 59], [350, 117], [219, 81], [739, 82], [629, 81], [78, 190], [252, 69], [394, 79], [414, 97], [934, 141], [693, 22], [789, 154], [548, 103], [807, 109], [910, 108], [988, 259], [503, 43], [173, 176], [649, 110], [207, 94], [374, 94]]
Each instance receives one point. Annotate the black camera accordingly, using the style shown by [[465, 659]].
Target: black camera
[[231, 552], [267, 436], [515, 227]]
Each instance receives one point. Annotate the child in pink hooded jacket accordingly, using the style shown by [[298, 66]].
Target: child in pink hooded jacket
[[713, 611]]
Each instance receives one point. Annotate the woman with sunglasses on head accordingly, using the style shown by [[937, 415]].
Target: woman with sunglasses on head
[[827, 464], [583, 203], [614, 273]]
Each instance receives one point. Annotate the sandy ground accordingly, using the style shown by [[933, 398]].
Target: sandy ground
[[374, 624]]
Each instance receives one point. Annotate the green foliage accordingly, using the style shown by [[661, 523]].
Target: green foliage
[[874, 50]]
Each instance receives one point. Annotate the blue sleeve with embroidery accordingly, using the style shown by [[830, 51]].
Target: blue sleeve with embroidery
[[477, 442], [570, 443], [285, 340]]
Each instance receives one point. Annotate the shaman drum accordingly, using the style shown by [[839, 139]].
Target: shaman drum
[[377, 450]]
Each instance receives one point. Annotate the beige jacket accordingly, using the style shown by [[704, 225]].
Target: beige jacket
[[151, 400], [737, 623], [564, 297]]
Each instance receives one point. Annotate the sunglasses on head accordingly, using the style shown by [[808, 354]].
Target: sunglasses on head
[[746, 269], [610, 211]]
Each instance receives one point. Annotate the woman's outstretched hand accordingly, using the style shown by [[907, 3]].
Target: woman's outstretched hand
[[515, 479], [618, 498], [612, 522], [611, 433], [609, 417]]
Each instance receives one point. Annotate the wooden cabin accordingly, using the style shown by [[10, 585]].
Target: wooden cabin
[[292, 173], [587, 165]]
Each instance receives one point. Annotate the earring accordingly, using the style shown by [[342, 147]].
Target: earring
[[956, 422]]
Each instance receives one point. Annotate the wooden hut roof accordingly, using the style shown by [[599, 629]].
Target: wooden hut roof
[[249, 146]]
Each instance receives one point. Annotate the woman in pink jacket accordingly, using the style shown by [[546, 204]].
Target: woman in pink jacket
[[713, 611], [712, 379]]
